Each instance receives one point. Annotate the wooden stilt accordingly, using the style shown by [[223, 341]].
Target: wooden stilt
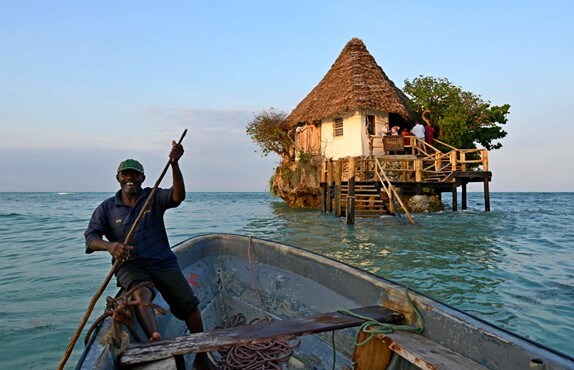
[[350, 213], [486, 196], [350, 205], [338, 174], [464, 205], [454, 200], [323, 190], [329, 185], [323, 187]]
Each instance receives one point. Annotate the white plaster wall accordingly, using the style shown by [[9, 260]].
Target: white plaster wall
[[354, 141], [350, 144]]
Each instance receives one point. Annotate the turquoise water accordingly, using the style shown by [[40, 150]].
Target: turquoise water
[[513, 266]]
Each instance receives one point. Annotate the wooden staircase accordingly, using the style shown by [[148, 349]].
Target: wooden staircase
[[369, 202], [444, 174]]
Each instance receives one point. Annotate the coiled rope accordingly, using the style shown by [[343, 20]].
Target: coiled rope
[[373, 327], [267, 355]]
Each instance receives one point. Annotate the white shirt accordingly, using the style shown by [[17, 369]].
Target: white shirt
[[419, 131]]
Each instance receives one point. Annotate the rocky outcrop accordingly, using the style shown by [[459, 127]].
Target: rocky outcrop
[[424, 203], [298, 183]]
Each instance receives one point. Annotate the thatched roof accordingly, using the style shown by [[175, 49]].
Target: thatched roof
[[354, 82]]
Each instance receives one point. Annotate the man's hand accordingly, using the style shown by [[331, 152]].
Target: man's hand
[[176, 152], [119, 251]]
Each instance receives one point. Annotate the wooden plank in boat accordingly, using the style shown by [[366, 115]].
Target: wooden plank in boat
[[249, 334], [163, 364], [426, 354]]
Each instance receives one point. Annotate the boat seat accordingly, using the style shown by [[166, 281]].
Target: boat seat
[[425, 353], [250, 334]]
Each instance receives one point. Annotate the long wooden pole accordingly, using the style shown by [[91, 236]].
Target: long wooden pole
[[118, 261]]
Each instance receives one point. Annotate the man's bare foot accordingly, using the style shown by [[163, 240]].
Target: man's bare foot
[[155, 336]]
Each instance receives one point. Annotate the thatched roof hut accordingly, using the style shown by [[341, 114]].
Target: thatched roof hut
[[354, 82]]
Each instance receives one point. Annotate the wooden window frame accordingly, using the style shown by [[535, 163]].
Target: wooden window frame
[[338, 127], [370, 124]]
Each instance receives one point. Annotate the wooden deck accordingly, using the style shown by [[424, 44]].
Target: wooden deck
[[423, 171]]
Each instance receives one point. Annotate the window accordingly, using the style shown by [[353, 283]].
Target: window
[[370, 125], [338, 127]]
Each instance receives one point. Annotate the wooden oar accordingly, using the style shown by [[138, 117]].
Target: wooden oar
[[114, 267]]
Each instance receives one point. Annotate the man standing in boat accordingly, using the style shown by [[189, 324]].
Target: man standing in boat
[[149, 257]]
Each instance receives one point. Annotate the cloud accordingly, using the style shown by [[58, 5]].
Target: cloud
[[219, 155]]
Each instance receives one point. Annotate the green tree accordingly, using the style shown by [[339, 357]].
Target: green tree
[[462, 118], [271, 133]]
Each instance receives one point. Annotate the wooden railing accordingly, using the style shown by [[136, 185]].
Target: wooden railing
[[461, 159], [390, 190], [434, 163]]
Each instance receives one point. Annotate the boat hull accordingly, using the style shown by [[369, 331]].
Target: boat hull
[[233, 274]]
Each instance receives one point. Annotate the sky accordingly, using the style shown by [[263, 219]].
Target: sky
[[86, 84]]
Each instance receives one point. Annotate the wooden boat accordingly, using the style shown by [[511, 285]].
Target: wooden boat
[[308, 296]]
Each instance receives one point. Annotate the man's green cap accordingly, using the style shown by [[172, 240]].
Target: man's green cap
[[131, 164]]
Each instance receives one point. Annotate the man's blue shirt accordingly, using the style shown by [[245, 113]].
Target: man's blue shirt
[[113, 220]]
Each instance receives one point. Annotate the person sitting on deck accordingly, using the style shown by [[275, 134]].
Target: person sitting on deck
[[148, 258]]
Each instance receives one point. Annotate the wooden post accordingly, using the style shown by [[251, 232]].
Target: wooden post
[[391, 200], [338, 174], [486, 196], [453, 160], [463, 161], [464, 196], [350, 210], [323, 187], [418, 170], [484, 155], [454, 204], [438, 161], [405, 167], [324, 171], [350, 205], [418, 175], [329, 185], [323, 191]]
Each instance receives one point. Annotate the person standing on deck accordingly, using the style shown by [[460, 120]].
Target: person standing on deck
[[419, 131], [429, 134], [149, 258], [406, 141]]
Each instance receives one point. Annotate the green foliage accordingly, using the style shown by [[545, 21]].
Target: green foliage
[[462, 118], [271, 188], [271, 133], [305, 157]]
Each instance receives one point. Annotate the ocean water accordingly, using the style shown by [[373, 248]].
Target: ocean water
[[513, 266]]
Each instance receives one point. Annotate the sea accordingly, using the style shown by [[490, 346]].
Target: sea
[[513, 266]]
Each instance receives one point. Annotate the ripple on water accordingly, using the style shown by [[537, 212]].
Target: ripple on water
[[513, 266]]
